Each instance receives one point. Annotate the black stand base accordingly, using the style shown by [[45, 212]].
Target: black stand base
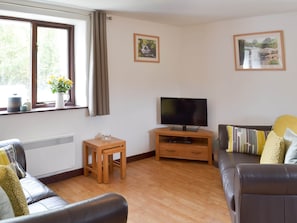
[[186, 128]]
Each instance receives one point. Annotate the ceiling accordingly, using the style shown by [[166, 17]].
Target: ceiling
[[183, 12]]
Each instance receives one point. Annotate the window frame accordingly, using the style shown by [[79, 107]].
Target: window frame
[[34, 46]]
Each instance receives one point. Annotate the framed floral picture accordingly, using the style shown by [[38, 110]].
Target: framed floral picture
[[146, 48], [259, 51]]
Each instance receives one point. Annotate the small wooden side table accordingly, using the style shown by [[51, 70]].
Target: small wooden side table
[[96, 147], [108, 162]]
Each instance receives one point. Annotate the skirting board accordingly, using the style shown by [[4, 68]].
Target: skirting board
[[78, 172]]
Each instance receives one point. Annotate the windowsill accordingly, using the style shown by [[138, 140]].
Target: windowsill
[[47, 109]]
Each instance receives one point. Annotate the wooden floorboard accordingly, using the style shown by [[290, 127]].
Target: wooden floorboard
[[165, 191]]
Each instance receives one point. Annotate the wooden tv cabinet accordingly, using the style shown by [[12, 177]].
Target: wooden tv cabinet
[[184, 144]]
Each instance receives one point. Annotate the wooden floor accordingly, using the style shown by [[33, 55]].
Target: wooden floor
[[166, 191]]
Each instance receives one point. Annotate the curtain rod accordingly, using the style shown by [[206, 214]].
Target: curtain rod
[[64, 10]]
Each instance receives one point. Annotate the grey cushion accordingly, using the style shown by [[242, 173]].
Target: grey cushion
[[6, 210], [291, 144]]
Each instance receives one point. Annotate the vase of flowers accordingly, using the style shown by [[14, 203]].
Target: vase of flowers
[[59, 85]]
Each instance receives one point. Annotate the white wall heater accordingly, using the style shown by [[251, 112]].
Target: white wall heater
[[50, 156]]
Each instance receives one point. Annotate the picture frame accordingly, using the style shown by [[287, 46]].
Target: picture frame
[[146, 48], [259, 51]]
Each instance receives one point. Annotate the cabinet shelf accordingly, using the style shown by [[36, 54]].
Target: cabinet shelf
[[183, 144]]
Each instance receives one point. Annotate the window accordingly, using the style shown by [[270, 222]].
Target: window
[[31, 51]]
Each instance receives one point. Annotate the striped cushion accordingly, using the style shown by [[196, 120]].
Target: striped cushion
[[8, 157], [244, 140]]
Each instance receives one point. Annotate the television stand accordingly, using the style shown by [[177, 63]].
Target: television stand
[[180, 144], [182, 140]]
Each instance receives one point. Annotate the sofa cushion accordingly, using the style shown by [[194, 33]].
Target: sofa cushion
[[274, 149], [8, 157], [244, 140], [230, 160], [47, 204], [6, 210], [283, 122], [35, 190], [290, 146], [11, 185]]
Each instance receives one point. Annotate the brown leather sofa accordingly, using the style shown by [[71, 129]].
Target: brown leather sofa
[[47, 207], [256, 193]]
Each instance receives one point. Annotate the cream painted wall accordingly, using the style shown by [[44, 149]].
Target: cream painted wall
[[246, 97], [134, 90], [134, 86], [195, 62]]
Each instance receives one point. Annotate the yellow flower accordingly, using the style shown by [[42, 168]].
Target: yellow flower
[[59, 83]]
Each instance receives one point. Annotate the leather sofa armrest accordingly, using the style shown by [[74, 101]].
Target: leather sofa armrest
[[266, 179], [108, 208], [265, 193]]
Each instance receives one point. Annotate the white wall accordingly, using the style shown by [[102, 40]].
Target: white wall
[[246, 97], [134, 90]]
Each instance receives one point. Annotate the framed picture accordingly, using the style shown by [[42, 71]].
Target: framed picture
[[146, 48], [259, 51]]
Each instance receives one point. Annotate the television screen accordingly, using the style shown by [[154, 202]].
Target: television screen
[[184, 111]]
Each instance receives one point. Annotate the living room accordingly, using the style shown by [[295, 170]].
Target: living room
[[186, 68], [195, 61]]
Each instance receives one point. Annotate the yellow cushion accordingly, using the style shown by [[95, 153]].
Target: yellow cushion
[[10, 183], [4, 158], [283, 122], [244, 140], [274, 149]]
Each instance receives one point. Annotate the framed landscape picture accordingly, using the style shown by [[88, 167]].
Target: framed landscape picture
[[146, 48], [259, 51]]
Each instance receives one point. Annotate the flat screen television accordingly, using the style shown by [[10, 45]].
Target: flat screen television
[[184, 111]]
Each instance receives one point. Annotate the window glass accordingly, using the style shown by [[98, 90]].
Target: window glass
[[30, 52], [52, 59], [15, 60]]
